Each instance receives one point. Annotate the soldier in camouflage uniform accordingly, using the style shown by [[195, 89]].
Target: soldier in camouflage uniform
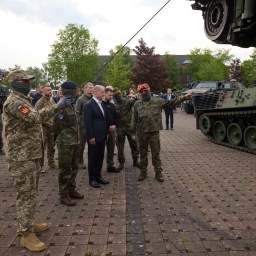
[[88, 89], [124, 111], [24, 152], [1, 129], [47, 101], [65, 131], [146, 123]]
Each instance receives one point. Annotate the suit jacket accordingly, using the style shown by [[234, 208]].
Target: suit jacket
[[94, 121], [165, 97]]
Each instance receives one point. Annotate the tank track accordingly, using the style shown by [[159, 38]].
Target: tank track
[[246, 113]]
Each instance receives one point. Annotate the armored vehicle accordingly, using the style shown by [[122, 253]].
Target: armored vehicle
[[205, 86], [228, 117], [229, 21]]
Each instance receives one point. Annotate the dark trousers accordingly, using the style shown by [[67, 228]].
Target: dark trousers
[[169, 115], [110, 144], [95, 160]]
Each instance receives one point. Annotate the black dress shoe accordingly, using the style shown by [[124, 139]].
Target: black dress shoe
[[113, 169], [94, 184], [102, 181]]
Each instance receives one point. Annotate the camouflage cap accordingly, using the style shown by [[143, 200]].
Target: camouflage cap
[[116, 91], [18, 75]]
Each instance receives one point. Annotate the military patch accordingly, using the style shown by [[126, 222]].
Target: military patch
[[23, 109]]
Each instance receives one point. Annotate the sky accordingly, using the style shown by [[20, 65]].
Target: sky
[[30, 27]]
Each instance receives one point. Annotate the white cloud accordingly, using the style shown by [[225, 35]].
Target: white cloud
[[26, 38]]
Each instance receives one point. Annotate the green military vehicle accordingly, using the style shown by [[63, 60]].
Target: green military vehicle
[[227, 117], [206, 86]]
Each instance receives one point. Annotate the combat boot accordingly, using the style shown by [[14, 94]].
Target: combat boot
[[75, 194], [159, 176], [120, 167], [136, 163], [142, 176], [38, 228], [31, 242], [68, 201]]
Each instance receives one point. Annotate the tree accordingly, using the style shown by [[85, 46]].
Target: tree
[[40, 76], [174, 69], [205, 65], [117, 71], [236, 71], [149, 68], [249, 67], [74, 55]]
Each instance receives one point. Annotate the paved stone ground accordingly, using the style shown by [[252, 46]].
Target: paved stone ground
[[206, 206]]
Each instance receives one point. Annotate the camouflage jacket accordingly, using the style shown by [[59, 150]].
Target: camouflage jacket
[[23, 130], [124, 112], [80, 108], [65, 127], [147, 116], [45, 102]]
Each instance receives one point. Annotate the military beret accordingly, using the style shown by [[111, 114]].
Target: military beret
[[69, 85], [144, 88], [18, 75], [116, 91]]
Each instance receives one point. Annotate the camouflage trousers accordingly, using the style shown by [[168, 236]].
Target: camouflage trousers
[[68, 165], [25, 176], [110, 145], [82, 139], [1, 133], [151, 139], [120, 141], [49, 144]]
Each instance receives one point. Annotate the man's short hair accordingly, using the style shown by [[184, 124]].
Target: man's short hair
[[107, 89], [87, 84], [45, 85]]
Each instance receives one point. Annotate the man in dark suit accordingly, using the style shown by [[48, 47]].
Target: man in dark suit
[[169, 110], [38, 94], [96, 134]]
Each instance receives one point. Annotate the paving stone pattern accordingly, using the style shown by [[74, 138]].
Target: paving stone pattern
[[205, 206]]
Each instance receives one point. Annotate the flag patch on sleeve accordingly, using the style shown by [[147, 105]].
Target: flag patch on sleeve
[[23, 109]]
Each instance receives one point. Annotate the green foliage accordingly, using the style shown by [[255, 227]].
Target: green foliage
[[149, 68], [249, 68], [174, 69], [249, 72], [74, 55], [117, 71], [40, 76], [205, 65]]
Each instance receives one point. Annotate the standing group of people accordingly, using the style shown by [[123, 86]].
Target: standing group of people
[[70, 123]]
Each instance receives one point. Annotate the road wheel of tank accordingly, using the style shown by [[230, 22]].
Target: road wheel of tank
[[235, 134], [250, 137], [220, 130], [217, 19], [204, 124]]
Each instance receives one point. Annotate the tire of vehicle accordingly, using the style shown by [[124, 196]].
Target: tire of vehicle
[[188, 108]]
